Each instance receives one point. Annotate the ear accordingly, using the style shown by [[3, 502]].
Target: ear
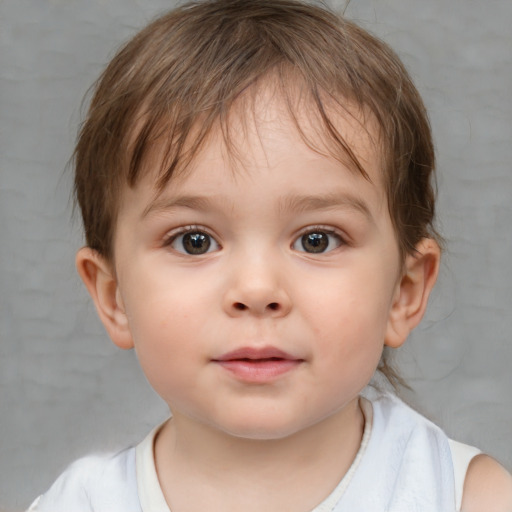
[[413, 290], [99, 278]]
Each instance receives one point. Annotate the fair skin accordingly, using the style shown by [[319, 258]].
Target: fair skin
[[258, 300], [488, 486]]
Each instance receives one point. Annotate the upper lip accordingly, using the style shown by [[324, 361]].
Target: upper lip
[[255, 353]]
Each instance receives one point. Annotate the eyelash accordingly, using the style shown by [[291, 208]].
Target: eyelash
[[317, 243], [204, 236], [331, 233], [174, 236]]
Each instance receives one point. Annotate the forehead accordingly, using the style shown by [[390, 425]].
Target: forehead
[[266, 114], [264, 132]]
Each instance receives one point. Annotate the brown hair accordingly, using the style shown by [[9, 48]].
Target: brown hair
[[179, 77]]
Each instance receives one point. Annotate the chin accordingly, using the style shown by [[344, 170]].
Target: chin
[[265, 433], [261, 428]]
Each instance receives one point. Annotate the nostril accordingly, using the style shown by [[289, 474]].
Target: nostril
[[273, 306], [240, 306]]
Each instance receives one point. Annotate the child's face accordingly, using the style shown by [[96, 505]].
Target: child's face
[[258, 299]]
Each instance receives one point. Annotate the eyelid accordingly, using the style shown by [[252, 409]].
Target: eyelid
[[173, 234], [328, 230], [189, 228]]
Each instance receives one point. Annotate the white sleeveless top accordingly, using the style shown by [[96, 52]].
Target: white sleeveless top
[[405, 464]]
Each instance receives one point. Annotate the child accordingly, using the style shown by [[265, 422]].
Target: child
[[255, 185]]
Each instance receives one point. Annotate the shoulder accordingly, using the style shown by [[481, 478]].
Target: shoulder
[[488, 486], [93, 483]]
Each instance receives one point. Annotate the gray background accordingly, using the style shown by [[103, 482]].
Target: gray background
[[65, 390]]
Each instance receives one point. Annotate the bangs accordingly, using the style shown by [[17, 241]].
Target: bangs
[[178, 133]]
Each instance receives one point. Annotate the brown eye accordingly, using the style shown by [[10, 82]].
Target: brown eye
[[194, 243], [317, 242]]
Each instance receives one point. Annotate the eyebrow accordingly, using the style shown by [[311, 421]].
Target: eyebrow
[[306, 203], [291, 203], [165, 204]]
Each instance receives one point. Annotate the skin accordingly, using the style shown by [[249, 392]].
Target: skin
[[257, 286], [488, 486]]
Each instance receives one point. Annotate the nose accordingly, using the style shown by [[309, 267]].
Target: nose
[[256, 288]]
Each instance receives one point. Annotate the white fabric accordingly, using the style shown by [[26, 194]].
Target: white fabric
[[97, 483], [406, 466], [151, 495], [462, 454], [330, 502]]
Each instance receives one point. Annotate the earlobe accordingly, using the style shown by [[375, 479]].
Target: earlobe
[[100, 281], [413, 290]]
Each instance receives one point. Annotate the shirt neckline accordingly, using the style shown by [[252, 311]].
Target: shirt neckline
[[151, 496], [331, 501]]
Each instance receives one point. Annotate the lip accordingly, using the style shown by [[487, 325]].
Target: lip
[[258, 365]]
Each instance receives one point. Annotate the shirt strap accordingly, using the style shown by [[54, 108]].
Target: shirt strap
[[462, 455], [151, 496], [331, 501]]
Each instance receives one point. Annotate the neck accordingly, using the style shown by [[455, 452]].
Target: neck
[[296, 472]]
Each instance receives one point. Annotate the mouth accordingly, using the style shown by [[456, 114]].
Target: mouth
[[258, 365]]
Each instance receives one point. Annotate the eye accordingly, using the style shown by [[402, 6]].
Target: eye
[[193, 242], [317, 241]]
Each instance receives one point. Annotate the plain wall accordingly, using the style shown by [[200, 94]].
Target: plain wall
[[66, 391]]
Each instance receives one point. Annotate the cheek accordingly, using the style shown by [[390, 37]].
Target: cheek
[[158, 300], [354, 304], [163, 326], [349, 319], [166, 353]]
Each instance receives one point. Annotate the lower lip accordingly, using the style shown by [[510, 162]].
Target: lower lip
[[259, 370]]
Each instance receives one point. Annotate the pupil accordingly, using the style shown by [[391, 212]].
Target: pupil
[[196, 243], [315, 242]]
